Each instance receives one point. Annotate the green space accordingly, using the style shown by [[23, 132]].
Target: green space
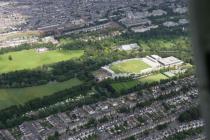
[[130, 66], [29, 59], [124, 85], [164, 44], [15, 96], [97, 53], [153, 78], [189, 134], [130, 84]]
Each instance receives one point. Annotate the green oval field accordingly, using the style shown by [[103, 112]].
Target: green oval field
[[129, 66]]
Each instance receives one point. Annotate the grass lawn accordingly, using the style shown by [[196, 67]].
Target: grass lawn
[[16, 96], [130, 84], [165, 44], [124, 85], [153, 78], [29, 59], [131, 66]]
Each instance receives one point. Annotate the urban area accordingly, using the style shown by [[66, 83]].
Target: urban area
[[97, 70]]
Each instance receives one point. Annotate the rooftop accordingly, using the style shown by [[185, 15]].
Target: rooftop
[[129, 47], [170, 61]]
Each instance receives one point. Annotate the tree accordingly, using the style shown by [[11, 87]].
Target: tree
[[10, 58], [131, 138], [190, 115], [91, 123], [54, 137]]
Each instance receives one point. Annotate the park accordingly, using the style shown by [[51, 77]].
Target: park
[[31, 59], [19, 96]]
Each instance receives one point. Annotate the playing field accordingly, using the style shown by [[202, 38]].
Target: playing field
[[153, 78], [130, 66], [29, 59], [16, 96], [130, 84], [124, 85]]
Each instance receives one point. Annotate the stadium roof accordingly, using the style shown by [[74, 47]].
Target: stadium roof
[[170, 61]]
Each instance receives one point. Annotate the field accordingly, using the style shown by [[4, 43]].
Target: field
[[130, 66], [153, 78], [124, 85], [17, 96], [164, 44], [29, 59], [130, 84]]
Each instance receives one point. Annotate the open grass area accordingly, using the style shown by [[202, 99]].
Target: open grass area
[[124, 85], [29, 59], [17, 96], [130, 84], [164, 44], [130, 66], [153, 78]]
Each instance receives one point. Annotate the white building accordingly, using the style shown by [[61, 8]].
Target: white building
[[170, 24], [129, 47], [183, 21], [50, 39], [41, 50], [156, 57], [170, 61], [141, 29]]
